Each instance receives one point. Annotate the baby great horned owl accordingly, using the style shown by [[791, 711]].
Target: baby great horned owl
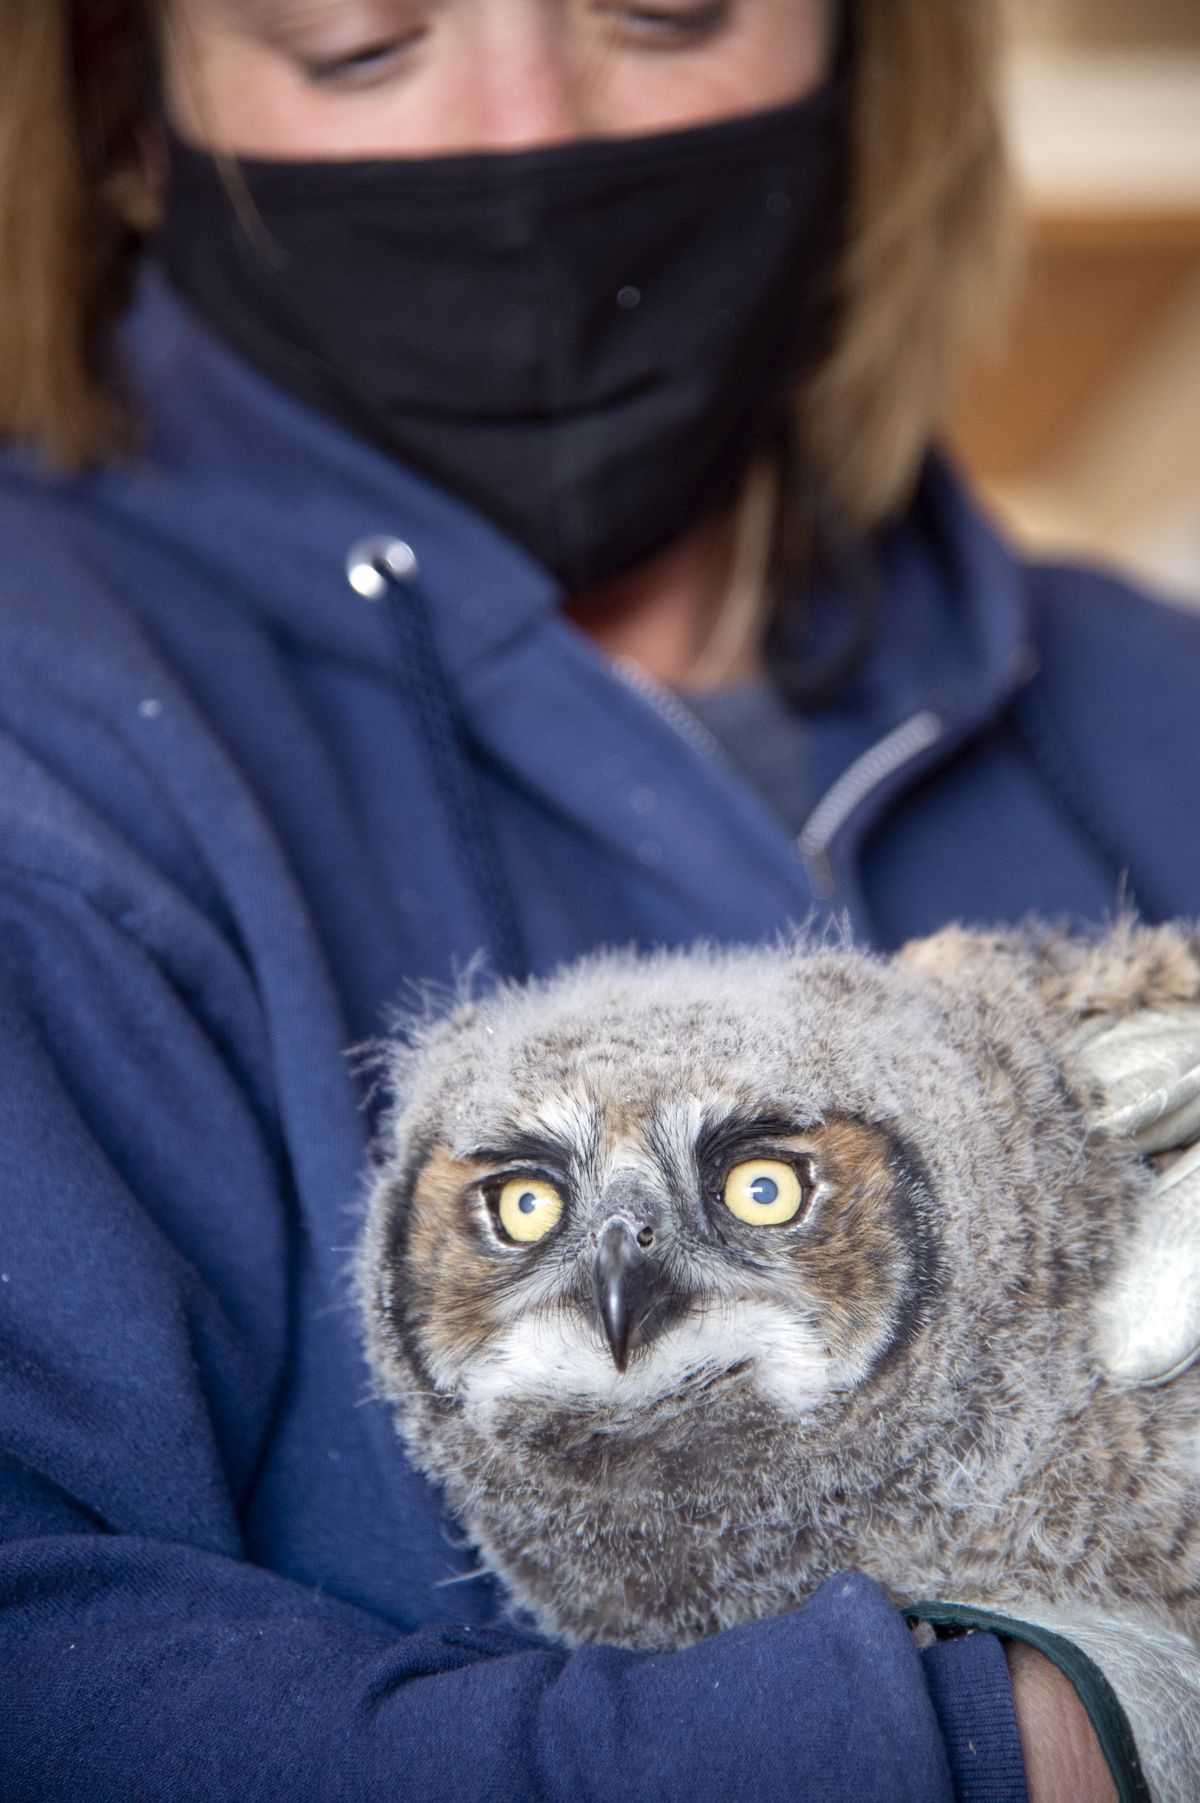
[[697, 1277]]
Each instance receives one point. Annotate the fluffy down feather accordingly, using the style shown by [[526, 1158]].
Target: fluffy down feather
[[905, 1377]]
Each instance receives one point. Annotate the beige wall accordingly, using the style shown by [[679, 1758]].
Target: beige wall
[[1108, 21], [1086, 435]]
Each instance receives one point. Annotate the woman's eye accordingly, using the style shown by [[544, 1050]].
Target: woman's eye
[[667, 27], [764, 1192], [367, 67], [527, 1208]]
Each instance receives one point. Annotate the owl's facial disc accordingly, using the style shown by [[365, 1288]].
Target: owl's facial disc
[[573, 1259]]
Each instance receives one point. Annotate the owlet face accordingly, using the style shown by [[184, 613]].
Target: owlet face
[[696, 1278], [580, 1257], [642, 1184]]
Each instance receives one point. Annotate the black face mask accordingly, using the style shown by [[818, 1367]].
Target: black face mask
[[589, 342]]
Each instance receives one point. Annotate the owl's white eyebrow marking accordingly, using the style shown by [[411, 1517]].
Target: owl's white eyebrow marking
[[573, 1119]]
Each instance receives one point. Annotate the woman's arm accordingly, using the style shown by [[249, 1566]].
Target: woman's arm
[[146, 1236], [1063, 1761]]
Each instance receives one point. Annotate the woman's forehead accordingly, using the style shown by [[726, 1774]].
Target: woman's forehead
[[259, 15]]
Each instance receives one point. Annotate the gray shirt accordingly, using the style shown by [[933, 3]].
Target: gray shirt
[[763, 738]]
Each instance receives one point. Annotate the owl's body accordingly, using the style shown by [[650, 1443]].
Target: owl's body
[[661, 1404]]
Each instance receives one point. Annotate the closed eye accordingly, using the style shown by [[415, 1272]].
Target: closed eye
[[366, 67], [667, 26]]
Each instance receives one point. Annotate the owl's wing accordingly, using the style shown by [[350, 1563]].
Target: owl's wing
[[1147, 1067]]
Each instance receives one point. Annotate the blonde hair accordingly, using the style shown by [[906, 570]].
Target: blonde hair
[[921, 278], [926, 274]]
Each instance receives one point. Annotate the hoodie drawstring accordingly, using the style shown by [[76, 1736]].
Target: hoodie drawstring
[[385, 571]]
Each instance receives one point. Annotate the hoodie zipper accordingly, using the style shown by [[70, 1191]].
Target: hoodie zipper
[[841, 800], [844, 797], [673, 711]]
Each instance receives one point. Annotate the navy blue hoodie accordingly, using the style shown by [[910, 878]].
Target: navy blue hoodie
[[242, 810]]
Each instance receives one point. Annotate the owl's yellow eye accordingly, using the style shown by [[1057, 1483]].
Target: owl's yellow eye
[[528, 1208], [763, 1191]]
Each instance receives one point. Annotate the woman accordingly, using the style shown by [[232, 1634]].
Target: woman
[[365, 585]]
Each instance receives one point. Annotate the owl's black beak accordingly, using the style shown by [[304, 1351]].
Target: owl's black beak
[[627, 1284]]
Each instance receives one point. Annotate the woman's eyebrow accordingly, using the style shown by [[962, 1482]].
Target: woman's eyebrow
[[259, 14]]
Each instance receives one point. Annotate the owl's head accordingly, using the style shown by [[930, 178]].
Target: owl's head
[[778, 1172]]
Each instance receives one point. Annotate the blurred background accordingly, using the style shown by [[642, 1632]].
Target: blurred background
[[1084, 433]]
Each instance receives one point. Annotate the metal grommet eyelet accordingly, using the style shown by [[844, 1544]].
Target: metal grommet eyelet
[[371, 558]]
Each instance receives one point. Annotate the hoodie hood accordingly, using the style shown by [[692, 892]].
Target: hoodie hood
[[270, 505]]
